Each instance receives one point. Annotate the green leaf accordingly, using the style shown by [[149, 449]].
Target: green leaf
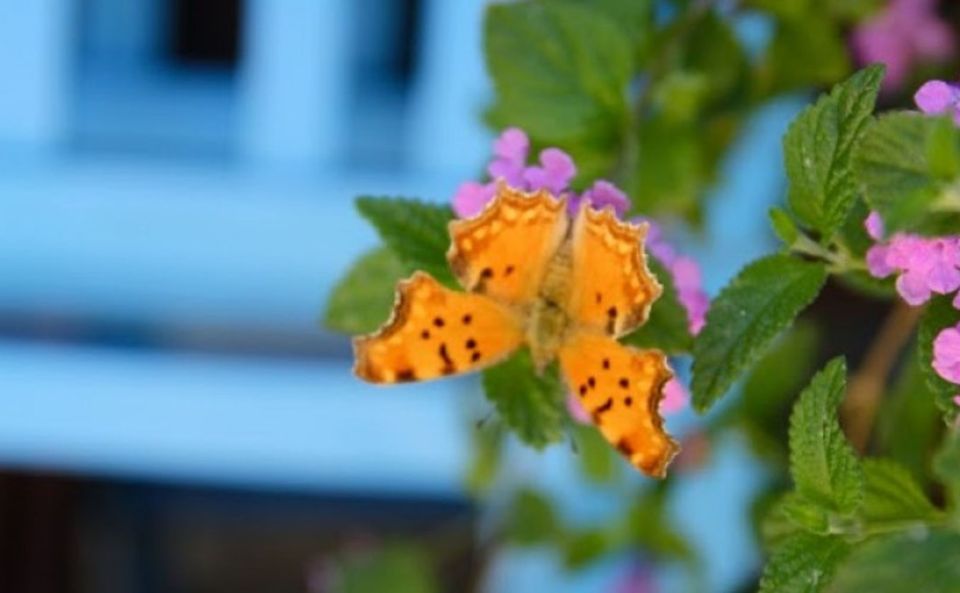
[[824, 467], [804, 563], [416, 232], [818, 149], [487, 456], [804, 514], [909, 425], [745, 319], [938, 315], [917, 560], [946, 465], [669, 171], [771, 388], [634, 17], [362, 300], [713, 49], [399, 568], [598, 461], [649, 528], [907, 165], [804, 52], [528, 403], [560, 71], [784, 226], [667, 328], [892, 496], [531, 520], [580, 548]]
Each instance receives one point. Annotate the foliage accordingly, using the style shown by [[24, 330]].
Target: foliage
[[652, 94]]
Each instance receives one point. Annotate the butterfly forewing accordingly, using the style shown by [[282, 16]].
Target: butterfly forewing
[[611, 287], [621, 389], [503, 252], [435, 332]]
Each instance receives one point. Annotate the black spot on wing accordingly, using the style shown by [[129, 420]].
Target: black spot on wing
[[406, 375], [602, 409], [448, 366]]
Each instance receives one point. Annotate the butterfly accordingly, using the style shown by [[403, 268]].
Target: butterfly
[[564, 286]]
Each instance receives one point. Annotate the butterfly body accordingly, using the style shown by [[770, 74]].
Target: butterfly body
[[565, 287]]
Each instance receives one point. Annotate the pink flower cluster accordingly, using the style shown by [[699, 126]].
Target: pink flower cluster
[[924, 266], [905, 33], [685, 273], [554, 173], [936, 97]]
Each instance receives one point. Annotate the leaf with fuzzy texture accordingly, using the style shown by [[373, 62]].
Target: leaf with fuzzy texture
[[745, 319], [667, 328], [906, 164], [925, 561], [938, 315], [362, 300], [818, 150], [824, 467], [803, 563], [946, 465], [560, 70], [528, 403], [892, 495], [416, 232]]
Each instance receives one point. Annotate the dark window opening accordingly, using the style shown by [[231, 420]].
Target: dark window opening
[[206, 32]]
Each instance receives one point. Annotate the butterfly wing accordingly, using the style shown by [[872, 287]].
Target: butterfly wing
[[621, 389], [611, 287], [434, 332], [503, 251]]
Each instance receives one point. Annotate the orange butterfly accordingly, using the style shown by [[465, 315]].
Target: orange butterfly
[[565, 288]]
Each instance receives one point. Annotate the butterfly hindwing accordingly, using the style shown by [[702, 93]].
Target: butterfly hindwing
[[503, 251], [434, 332], [621, 389], [611, 287]]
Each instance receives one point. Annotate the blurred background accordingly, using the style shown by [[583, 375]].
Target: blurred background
[[176, 184]]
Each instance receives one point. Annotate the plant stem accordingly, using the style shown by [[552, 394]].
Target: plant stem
[[867, 384]]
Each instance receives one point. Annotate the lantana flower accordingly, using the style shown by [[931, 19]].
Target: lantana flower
[[925, 266], [554, 172], [937, 97], [903, 34]]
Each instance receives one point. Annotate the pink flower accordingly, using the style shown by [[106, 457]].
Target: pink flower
[[639, 579], [510, 150], [946, 354], [936, 97], [471, 197], [926, 265], [874, 226], [576, 409], [905, 33], [685, 273], [877, 261], [956, 400], [602, 194], [675, 397], [555, 172]]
